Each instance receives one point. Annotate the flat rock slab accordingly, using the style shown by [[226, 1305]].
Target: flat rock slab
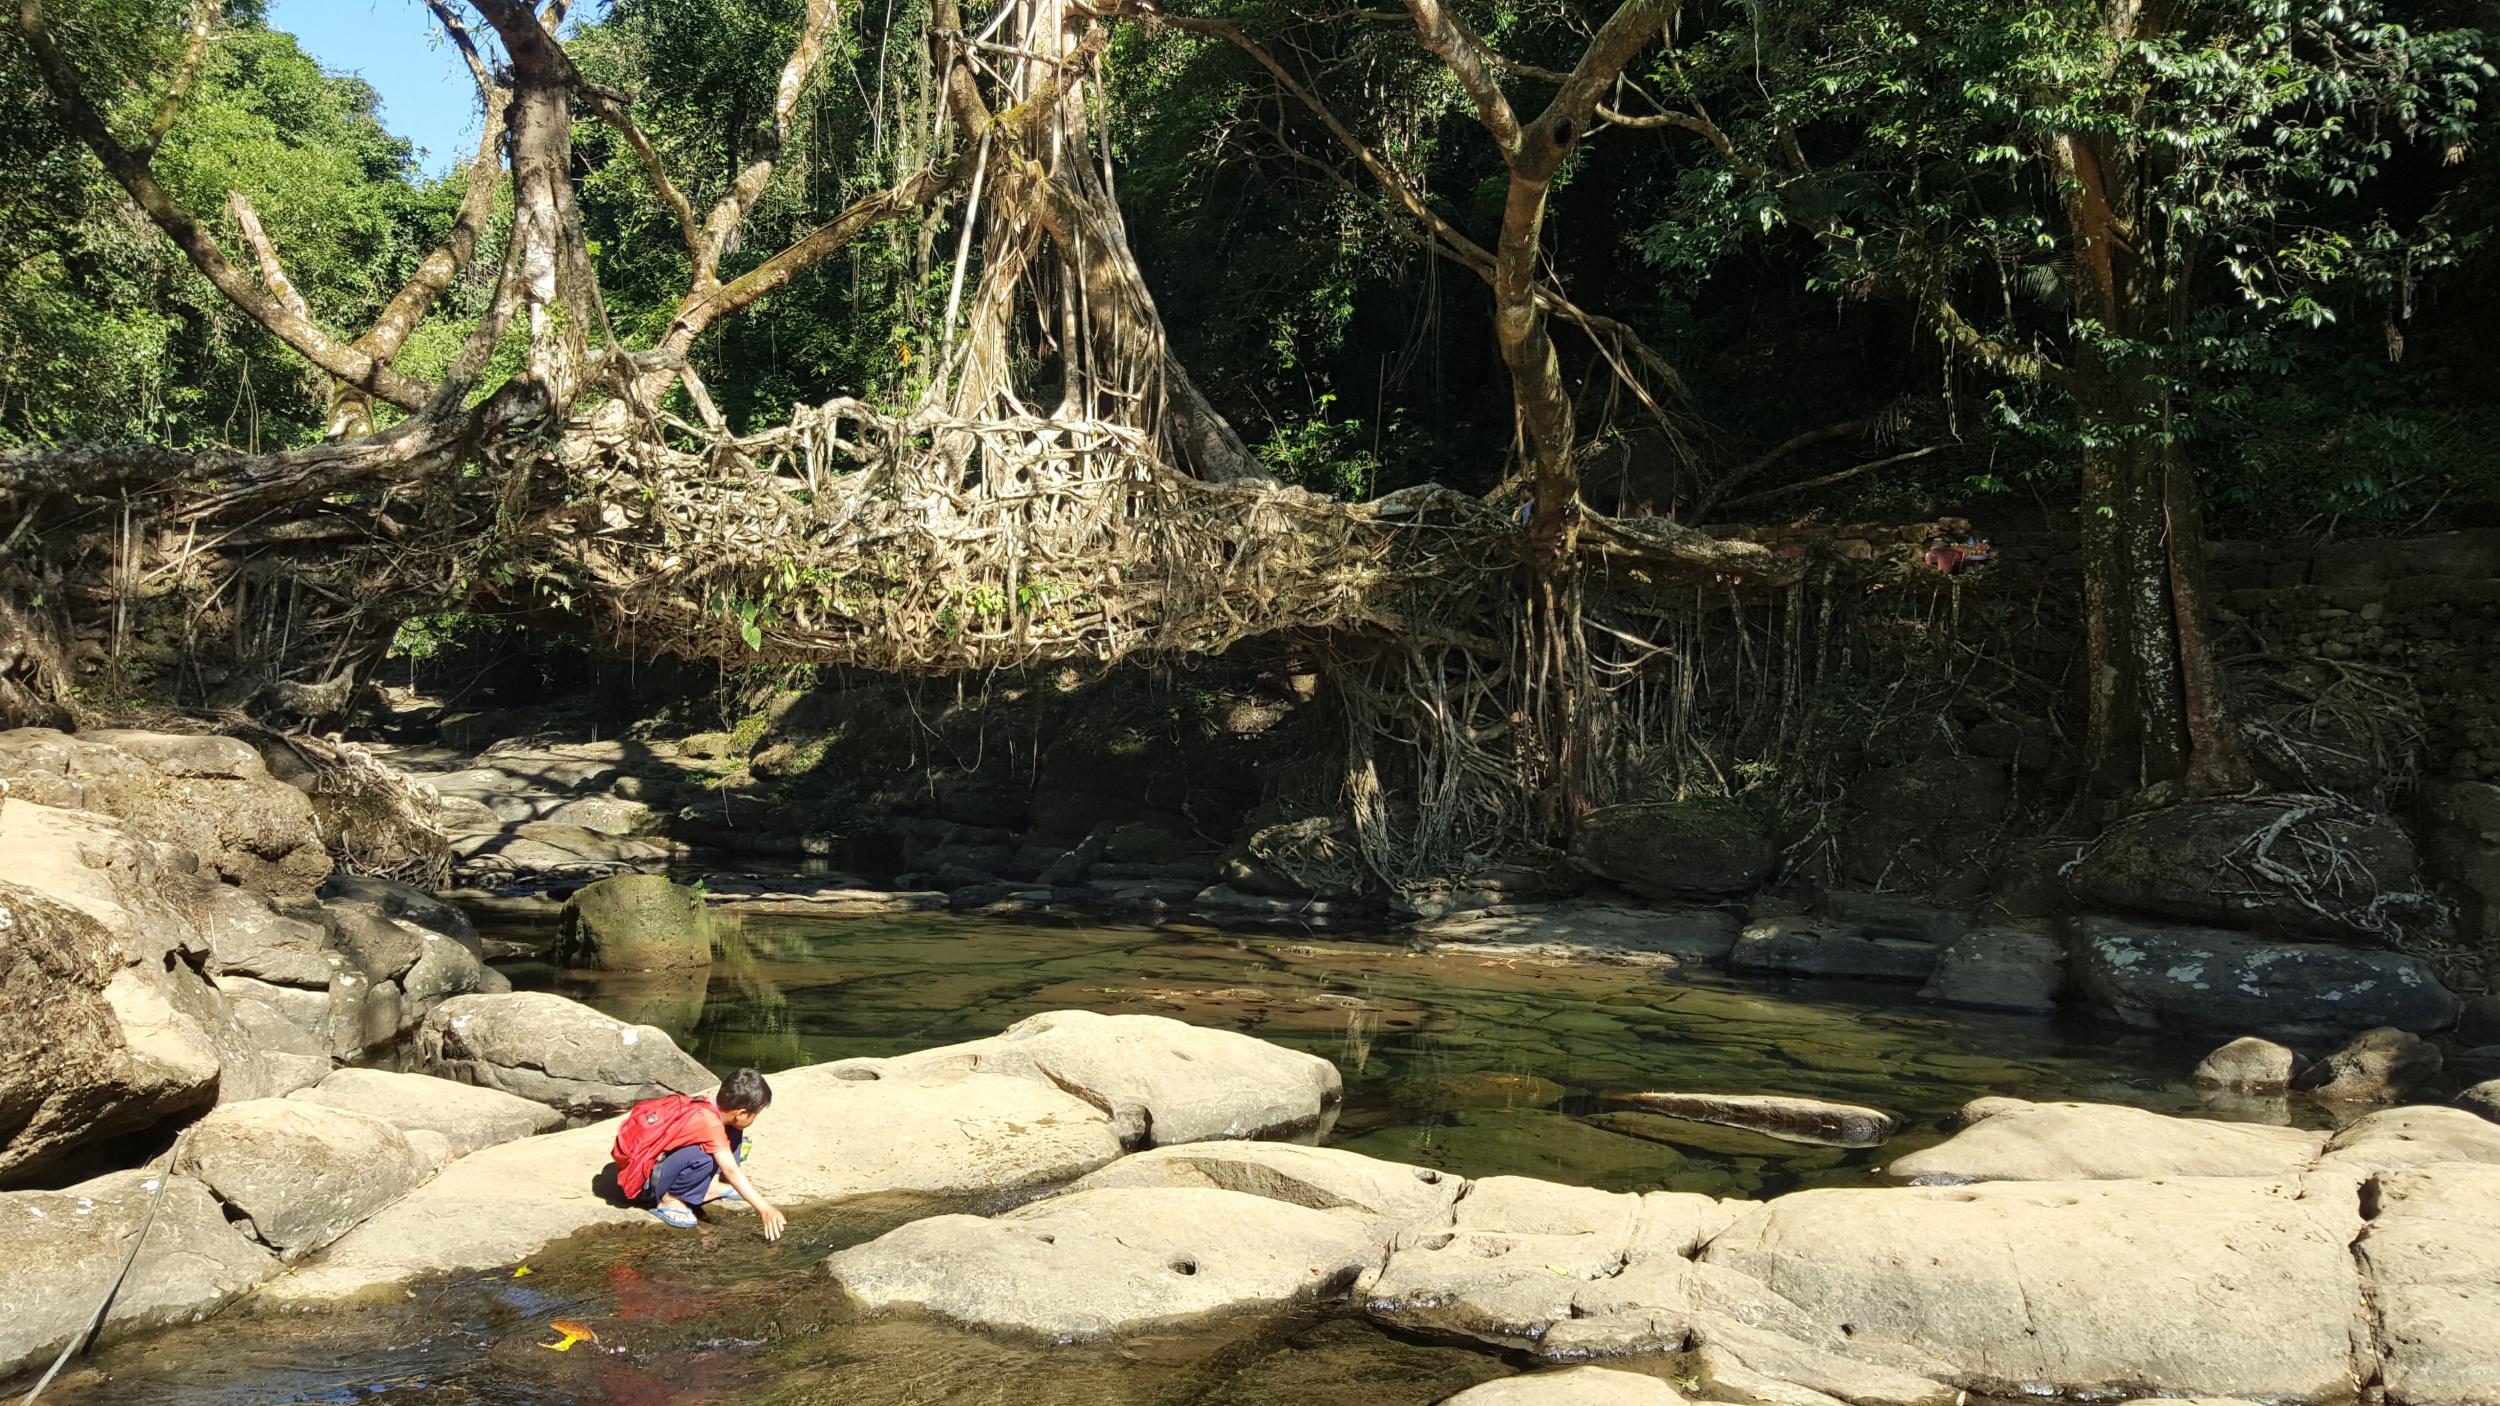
[[2003, 967], [1591, 932], [468, 1118], [1161, 1081], [2432, 1259], [1575, 1386], [1321, 1178], [1092, 1264], [825, 1138], [300, 1174], [2012, 1140], [2228, 1287], [63, 1248]]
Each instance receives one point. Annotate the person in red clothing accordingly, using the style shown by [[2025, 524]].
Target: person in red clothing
[[676, 1153]]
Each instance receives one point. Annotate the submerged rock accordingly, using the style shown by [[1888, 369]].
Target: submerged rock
[[300, 1175], [1591, 932], [1823, 947], [2204, 979], [1676, 849], [64, 1247], [2375, 1066], [2248, 1065], [1806, 1120], [2482, 1100], [465, 1116], [2008, 1139], [1574, 1386], [554, 1051]]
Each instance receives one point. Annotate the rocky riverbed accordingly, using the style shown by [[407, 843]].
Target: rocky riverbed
[[321, 1089]]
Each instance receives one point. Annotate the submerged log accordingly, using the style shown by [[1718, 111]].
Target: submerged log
[[1805, 1120]]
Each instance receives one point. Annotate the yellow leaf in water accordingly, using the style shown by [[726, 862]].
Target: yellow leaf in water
[[525, 1269]]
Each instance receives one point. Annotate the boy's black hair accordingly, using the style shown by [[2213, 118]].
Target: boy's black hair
[[744, 1090]]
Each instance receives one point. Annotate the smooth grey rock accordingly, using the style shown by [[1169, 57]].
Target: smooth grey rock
[[2375, 1066], [1161, 1081], [468, 1118], [2077, 1287], [2205, 980], [398, 900], [300, 1174], [64, 1246], [2393, 1139], [1096, 1263], [1819, 947], [2012, 1140], [1322, 1178], [2248, 1065], [2018, 966], [245, 829], [557, 1052]]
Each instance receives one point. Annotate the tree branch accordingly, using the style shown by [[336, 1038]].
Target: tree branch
[[132, 171], [611, 109], [272, 273], [749, 187], [1472, 63], [194, 53], [1828, 480]]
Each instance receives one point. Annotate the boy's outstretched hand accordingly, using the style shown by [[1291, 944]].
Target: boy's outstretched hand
[[773, 1219]]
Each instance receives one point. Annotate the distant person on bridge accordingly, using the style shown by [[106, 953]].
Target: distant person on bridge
[[676, 1153]]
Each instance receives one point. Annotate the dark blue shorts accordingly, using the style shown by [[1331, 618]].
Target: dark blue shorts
[[686, 1173]]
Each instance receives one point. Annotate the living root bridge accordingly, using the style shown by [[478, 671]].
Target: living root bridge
[[929, 543]]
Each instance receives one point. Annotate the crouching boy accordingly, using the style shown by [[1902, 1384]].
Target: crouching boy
[[676, 1153]]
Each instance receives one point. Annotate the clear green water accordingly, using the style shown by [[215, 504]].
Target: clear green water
[[1474, 1065]]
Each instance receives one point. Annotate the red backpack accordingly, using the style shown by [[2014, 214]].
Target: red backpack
[[653, 1129]]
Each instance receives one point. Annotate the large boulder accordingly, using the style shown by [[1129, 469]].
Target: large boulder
[[65, 1246], [1573, 1386], [2293, 865], [1096, 1263], [1676, 849], [2009, 1139], [1827, 947], [97, 1043], [209, 795], [2205, 979], [2431, 1258], [398, 900], [2375, 1066], [2215, 1286], [1161, 1081], [636, 922], [2016, 966], [300, 1175], [466, 1116], [2482, 1100], [557, 1052]]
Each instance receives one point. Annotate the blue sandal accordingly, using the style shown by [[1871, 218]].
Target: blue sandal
[[727, 1193], [674, 1217]]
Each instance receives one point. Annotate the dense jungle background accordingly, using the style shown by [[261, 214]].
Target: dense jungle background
[[2059, 295]]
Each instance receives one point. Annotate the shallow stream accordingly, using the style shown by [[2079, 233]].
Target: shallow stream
[[1474, 1064]]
